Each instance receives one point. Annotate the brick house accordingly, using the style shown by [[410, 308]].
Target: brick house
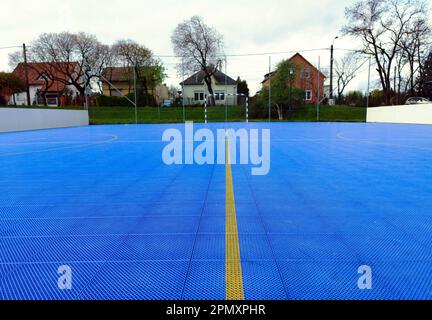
[[47, 86], [119, 81], [305, 78]]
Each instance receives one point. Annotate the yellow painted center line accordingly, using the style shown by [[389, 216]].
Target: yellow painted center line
[[233, 272]]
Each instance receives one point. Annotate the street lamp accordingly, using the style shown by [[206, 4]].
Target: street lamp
[[290, 75], [331, 67]]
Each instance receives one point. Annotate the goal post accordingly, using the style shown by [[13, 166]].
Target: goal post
[[207, 96]]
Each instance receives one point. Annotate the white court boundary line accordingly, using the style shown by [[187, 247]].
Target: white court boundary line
[[113, 138], [373, 142]]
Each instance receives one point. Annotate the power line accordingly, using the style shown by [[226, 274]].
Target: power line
[[254, 54], [240, 54], [11, 47], [274, 53], [351, 50]]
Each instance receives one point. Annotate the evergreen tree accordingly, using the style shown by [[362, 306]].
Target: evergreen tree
[[242, 87], [424, 81]]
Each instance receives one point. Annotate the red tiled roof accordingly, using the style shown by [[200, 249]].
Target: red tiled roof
[[118, 74], [307, 62], [322, 75], [36, 70]]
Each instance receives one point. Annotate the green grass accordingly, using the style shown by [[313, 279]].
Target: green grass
[[330, 114], [126, 115]]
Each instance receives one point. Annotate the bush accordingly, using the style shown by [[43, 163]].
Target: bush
[[354, 99], [377, 98], [259, 105], [112, 101]]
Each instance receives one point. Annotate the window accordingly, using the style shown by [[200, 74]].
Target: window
[[219, 96], [198, 96], [305, 74], [308, 95]]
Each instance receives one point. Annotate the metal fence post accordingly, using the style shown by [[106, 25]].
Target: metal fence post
[[205, 110], [247, 109]]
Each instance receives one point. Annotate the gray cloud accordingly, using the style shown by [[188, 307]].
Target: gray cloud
[[247, 26]]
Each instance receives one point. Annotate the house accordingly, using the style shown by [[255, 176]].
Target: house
[[305, 78], [119, 81], [47, 85], [196, 91], [326, 91]]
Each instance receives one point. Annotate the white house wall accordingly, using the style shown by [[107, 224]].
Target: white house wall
[[73, 89], [189, 92], [21, 98]]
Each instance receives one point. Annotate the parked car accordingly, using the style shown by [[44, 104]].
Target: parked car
[[167, 104], [418, 100]]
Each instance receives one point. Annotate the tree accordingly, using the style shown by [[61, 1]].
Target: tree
[[424, 81], [10, 84], [72, 59], [200, 48], [283, 96], [414, 42], [242, 88], [376, 98], [173, 92], [354, 99], [346, 70], [140, 60], [382, 26]]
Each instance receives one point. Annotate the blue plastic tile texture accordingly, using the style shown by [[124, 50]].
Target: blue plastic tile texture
[[100, 200]]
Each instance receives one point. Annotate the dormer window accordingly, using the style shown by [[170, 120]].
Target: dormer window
[[44, 77]]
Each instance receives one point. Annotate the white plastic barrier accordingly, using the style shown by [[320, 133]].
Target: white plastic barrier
[[411, 114], [16, 119]]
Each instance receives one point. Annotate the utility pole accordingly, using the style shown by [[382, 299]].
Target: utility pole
[[368, 87], [394, 84], [290, 75], [269, 106], [331, 66], [136, 96], [226, 90], [318, 89], [331, 71], [183, 97], [26, 74]]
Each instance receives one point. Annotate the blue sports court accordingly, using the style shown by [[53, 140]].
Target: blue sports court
[[100, 200]]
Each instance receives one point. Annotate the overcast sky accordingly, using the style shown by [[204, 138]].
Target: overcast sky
[[248, 27]]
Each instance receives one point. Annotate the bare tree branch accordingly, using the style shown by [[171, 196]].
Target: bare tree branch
[[200, 48]]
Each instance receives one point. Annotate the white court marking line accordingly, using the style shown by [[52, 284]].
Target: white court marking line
[[23, 142], [42, 143], [98, 217], [341, 137], [113, 138], [77, 142]]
